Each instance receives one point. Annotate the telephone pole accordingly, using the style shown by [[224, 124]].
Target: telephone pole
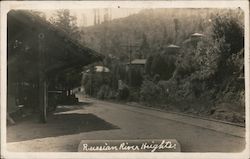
[[130, 48], [94, 16], [43, 84]]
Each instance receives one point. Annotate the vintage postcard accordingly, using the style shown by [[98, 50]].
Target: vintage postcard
[[125, 79]]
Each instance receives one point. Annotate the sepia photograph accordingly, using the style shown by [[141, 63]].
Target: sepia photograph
[[115, 78]]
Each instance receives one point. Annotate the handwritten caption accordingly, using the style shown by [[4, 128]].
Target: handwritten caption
[[164, 145]]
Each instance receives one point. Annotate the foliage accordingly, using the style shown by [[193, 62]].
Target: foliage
[[69, 79], [229, 27], [168, 88], [211, 64], [103, 92], [144, 48], [152, 32], [134, 94], [124, 93], [163, 65], [136, 76], [209, 68], [149, 91], [64, 20], [93, 82], [148, 65], [206, 57]]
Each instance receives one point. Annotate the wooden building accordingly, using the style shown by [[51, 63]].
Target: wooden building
[[137, 64], [193, 39], [172, 50], [37, 53]]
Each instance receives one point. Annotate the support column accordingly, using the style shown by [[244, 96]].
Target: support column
[[43, 92]]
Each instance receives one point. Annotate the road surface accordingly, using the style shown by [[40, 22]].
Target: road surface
[[104, 120]]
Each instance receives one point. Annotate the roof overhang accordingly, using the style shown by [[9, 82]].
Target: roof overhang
[[61, 50]]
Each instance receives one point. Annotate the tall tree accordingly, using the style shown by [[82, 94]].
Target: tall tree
[[64, 20], [176, 27], [144, 48]]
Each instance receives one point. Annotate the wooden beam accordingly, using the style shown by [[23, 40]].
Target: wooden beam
[[43, 99]]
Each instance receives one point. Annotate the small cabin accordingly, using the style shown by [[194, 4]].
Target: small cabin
[[137, 64], [196, 37], [193, 39], [172, 49]]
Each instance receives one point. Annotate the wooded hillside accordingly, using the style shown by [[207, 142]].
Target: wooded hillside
[[159, 27], [204, 76]]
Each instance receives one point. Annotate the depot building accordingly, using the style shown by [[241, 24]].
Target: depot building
[[37, 53]]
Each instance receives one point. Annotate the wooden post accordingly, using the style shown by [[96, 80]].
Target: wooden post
[[130, 59], [43, 99]]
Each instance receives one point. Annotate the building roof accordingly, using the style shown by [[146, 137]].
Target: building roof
[[173, 46], [100, 69], [139, 62], [62, 51], [197, 35]]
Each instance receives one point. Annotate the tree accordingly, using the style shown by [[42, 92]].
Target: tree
[[216, 63], [162, 65], [229, 27], [149, 64], [39, 13], [64, 20], [176, 27], [228, 32], [144, 48]]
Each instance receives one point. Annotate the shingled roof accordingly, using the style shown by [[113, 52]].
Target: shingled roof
[[197, 35], [61, 50], [139, 62], [173, 46]]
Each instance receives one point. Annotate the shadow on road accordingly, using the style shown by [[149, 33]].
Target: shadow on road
[[58, 125]]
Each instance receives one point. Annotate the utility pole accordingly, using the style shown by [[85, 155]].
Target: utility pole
[[106, 15], [130, 48], [98, 17], [110, 14], [94, 16], [42, 83], [84, 20]]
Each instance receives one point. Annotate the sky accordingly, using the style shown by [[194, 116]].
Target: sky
[[85, 17]]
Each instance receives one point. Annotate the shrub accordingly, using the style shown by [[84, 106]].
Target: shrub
[[150, 92], [168, 88], [103, 93], [134, 94], [124, 93]]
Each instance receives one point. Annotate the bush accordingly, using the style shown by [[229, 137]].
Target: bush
[[150, 92], [124, 93], [168, 89], [103, 93], [161, 65], [112, 94], [106, 92], [134, 94]]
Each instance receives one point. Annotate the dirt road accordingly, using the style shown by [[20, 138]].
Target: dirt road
[[103, 120]]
